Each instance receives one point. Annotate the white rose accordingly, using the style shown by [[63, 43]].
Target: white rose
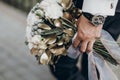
[[30, 45], [59, 1], [51, 8], [39, 12], [54, 11], [31, 19], [28, 33], [36, 39], [45, 3]]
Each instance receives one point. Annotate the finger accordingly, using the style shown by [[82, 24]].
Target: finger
[[76, 42], [83, 46], [77, 23], [90, 46]]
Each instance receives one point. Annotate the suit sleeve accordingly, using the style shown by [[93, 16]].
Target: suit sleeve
[[101, 7]]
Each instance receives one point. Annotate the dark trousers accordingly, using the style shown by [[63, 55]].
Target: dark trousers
[[65, 68]]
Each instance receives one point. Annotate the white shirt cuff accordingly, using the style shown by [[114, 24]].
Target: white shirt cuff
[[101, 7]]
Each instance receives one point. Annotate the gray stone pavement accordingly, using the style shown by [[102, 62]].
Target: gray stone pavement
[[16, 63]]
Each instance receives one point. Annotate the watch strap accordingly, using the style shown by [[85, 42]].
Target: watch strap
[[88, 15], [95, 19]]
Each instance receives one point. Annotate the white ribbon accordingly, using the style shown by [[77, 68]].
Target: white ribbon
[[97, 61], [104, 70]]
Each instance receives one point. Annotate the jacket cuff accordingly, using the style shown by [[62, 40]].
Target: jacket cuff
[[101, 7]]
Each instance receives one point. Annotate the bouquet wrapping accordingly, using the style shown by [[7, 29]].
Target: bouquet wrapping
[[105, 71]]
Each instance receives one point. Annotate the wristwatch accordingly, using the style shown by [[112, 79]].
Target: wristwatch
[[96, 20]]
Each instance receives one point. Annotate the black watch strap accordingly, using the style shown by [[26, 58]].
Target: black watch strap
[[88, 16], [96, 20]]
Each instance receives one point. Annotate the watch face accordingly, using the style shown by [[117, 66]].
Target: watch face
[[98, 20]]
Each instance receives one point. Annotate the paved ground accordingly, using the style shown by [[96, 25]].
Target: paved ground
[[16, 63]]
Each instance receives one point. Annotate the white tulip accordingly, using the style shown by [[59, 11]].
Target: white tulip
[[44, 59]]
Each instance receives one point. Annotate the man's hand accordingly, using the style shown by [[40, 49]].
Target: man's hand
[[87, 34]]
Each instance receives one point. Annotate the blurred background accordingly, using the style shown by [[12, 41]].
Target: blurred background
[[16, 62], [24, 5]]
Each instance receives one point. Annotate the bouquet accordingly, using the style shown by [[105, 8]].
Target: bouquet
[[51, 27]]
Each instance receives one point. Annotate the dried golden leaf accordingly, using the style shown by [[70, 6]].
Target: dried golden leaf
[[69, 31], [49, 55], [58, 23], [41, 51], [60, 43], [44, 26], [67, 15], [66, 4], [50, 20], [42, 45], [52, 46], [34, 51], [66, 38], [76, 12], [52, 39], [58, 51]]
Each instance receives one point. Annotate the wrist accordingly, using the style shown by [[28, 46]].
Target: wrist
[[96, 20]]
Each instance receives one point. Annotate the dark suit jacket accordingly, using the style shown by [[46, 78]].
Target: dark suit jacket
[[118, 6]]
